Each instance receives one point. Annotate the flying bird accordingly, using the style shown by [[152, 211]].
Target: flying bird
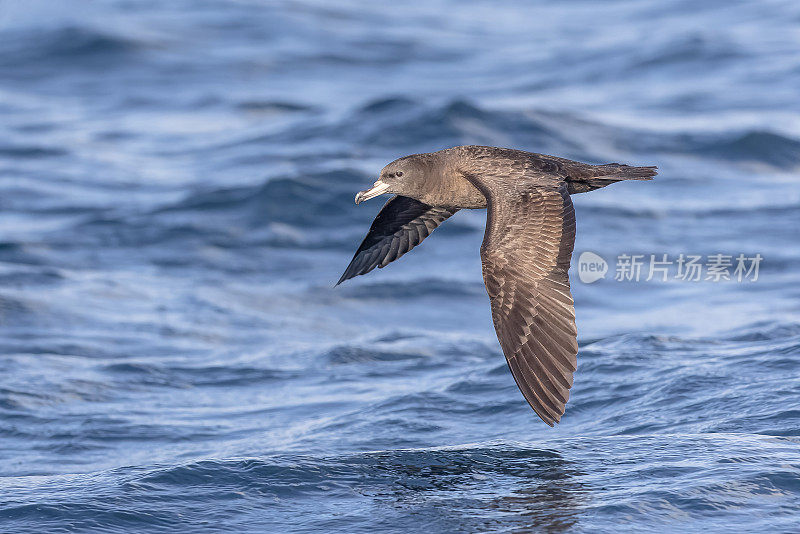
[[526, 249]]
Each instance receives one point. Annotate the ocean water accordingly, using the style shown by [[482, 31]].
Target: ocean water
[[176, 203]]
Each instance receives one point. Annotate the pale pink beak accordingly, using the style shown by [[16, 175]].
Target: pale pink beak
[[377, 189]]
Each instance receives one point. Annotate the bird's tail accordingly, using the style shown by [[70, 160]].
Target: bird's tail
[[609, 174]]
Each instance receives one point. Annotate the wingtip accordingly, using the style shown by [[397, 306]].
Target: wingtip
[[346, 275], [549, 420], [552, 422]]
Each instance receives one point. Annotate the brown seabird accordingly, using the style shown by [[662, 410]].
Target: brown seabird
[[526, 250]]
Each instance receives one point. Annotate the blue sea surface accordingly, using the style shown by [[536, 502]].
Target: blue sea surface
[[176, 203]]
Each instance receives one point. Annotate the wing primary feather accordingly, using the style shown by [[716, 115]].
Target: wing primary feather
[[402, 224]]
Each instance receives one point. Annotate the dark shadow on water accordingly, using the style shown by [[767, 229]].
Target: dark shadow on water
[[479, 488], [523, 490]]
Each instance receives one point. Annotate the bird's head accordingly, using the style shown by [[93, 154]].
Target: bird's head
[[404, 176]]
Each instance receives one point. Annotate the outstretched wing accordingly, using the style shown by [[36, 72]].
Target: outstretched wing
[[401, 225], [526, 251]]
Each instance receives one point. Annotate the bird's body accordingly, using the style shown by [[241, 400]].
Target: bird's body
[[526, 251]]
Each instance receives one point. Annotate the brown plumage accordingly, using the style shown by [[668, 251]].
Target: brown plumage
[[526, 250]]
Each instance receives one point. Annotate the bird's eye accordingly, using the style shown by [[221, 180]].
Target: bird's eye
[[399, 174]]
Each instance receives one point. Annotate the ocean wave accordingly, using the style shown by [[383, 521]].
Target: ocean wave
[[751, 146], [67, 45], [30, 152], [754, 146], [279, 212], [174, 376], [413, 289], [690, 381], [695, 49], [349, 354], [313, 199], [551, 485], [407, 125]]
